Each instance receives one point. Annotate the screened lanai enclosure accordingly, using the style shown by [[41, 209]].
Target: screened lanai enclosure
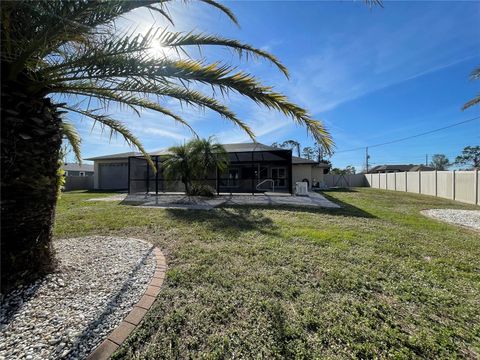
[[248, 172]]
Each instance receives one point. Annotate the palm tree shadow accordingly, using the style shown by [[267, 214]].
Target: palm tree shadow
[[13, 302], [237, 219], [232, 220]]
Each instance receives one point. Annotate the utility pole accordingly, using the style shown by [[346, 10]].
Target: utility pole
[[366, 159], [426, 159]]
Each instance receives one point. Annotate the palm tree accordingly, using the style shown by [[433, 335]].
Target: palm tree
[[209, 155], [475, 75], [192, 162], [179, 165]]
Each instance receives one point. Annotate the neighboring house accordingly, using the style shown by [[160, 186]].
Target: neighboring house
[[399, 168], [78, 170], [253, 167]]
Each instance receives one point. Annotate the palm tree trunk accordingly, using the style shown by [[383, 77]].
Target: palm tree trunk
[[31, 140]]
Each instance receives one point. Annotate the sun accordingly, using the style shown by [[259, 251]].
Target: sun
[[157, 50]]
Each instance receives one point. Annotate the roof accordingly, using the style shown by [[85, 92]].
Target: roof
[[124, 155], [422, 168], [299, 160], [77, 167], [410, 167], [237, 147]]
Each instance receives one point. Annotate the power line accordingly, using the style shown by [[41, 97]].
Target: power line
[[410, 137]]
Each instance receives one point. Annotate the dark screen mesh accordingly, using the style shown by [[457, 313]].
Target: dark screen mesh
[[248, 172]]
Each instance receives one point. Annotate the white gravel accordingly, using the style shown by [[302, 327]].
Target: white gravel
[[468, 218], [67, 314]]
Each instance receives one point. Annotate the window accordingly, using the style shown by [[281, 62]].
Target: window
[[230, 178], [279, 176]]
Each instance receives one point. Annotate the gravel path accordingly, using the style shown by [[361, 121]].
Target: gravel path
[[67, 314], [468, 218]]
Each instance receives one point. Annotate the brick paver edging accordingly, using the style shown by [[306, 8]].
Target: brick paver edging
[[131, 321]]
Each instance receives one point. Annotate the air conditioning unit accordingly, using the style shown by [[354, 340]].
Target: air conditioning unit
[[301, 188]]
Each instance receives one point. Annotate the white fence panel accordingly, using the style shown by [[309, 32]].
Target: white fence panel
[[401, 181], [391, 181], [444, 184], [465, 186], [382, 182], [428, 182], [413, 182]]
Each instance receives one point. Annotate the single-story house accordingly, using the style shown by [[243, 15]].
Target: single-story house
[[254, 167], [398, 168], [78, 170]]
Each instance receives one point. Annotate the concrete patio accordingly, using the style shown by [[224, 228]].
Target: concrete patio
[[181, 201]]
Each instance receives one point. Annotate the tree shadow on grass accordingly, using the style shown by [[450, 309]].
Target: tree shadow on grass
[[236, 219], [345, 209], [228, 220]]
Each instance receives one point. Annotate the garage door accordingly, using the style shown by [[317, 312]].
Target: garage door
[[113, 176]]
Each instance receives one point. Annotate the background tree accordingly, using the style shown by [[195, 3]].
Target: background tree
[[349, 170], [440, 162], [308, 153], [470, 156], [288, 144], [72, 50], [321, 152], [292, 144]]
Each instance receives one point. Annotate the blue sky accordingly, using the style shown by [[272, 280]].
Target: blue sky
[[372, 75]]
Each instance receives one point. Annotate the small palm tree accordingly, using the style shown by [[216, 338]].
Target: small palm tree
[[192, 162], [179, 166], [209, 156]]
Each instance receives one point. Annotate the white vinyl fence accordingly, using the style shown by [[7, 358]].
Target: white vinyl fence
[[456, 185]]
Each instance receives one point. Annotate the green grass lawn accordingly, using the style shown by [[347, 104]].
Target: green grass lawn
[[373, 279]]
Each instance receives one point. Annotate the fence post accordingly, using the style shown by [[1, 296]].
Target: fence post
[[436, 185], [395, 180], [475, 193], [419, 181], [379, 180], [406, 183], [386, 179], [453, 185]]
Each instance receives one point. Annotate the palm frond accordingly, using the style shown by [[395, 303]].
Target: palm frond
[[189, 97], [372, 3], [115, 127], [472, 102], [223, 9], [73, 137], [121, 97], [475, 75], [175, 39]]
